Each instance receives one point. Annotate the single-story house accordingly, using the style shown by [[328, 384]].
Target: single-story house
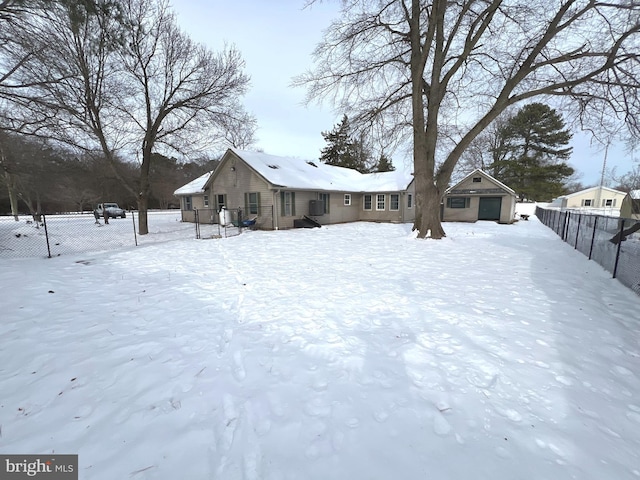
[[479, 196], [193, 197], [594, 197], [278, 191], [630, 207]]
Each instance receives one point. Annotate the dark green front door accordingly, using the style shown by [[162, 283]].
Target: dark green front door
[[489, 208]]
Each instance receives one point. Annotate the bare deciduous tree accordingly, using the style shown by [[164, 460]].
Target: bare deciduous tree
[[440, 72], [132, 83]]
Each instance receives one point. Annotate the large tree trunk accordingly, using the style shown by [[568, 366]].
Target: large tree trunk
[[13, 195], [428, 197], [143, 225], [145, 188], [425, 130]]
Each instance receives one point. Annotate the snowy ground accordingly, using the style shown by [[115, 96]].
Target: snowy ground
[[77, 233], [348, 352]]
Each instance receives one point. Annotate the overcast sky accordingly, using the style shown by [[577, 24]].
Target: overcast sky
[[276, 39]]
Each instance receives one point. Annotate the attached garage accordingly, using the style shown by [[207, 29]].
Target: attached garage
[[479, 196]]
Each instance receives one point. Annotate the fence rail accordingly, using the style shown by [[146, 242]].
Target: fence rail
[[210, 223], [59, 234], [613, 242]]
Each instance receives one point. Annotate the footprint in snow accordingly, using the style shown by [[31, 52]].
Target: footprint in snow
[[251, 463], [229, 423], [622, 370], [564, 380], [440, 425], [238, 371], [635, 416]]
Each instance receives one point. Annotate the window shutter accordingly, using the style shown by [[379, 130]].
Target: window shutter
[[468, 202], [258, 201], [293, 203], [582, 203], [448, 202], [246, 202], [613, 203], [282, 199]]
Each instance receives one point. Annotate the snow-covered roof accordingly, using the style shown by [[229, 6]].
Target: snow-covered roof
[[194, 186], [299, 174], [635, 194], [592, 189]]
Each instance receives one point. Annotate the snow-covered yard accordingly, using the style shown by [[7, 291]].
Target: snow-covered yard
[[348, 352]]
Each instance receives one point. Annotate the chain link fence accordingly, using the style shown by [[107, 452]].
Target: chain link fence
[[210, 223], [613, 242], [60, 234]]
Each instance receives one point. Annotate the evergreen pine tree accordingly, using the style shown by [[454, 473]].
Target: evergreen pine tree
[[342, 150], [384, 164], [532, 153]]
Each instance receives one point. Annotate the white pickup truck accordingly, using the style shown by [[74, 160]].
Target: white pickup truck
[[112, 209]]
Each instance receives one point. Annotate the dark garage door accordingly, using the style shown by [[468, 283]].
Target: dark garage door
[[489, 208]]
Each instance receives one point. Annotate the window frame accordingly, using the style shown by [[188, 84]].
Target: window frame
[[380, 201], [409, 200], [249, 210], [458, 202], [347, 199], [325, 198], [188, 202], [205, 200], [364, 202], [397, 202], [219, 205], [287, 204]]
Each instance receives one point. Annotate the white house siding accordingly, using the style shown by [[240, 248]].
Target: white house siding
[[594, 198]]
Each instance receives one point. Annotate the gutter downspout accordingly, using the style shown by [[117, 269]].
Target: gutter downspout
[[275, 209]]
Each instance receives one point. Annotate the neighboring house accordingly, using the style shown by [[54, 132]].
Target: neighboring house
[[193, 197], [594, 197], [280, 191], [479, 196], [630, 207]]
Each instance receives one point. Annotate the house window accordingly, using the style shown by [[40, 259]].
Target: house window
[[188, 203], [221, 202], [347, 199], [324, 197], [252, 203], [206, 200], [394, 201], [367, 202], [380, 200], [409, 200], [288, 204], [609, 202], [586, 203], [477, 179], [458, 202]]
